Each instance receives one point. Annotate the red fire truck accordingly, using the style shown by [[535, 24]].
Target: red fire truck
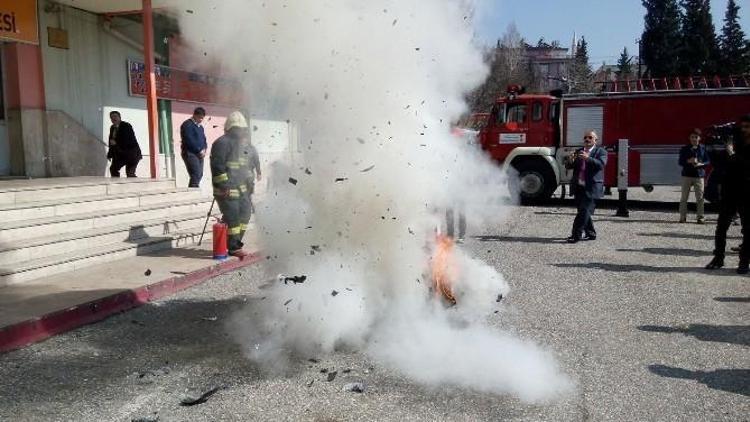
[[642, 126]]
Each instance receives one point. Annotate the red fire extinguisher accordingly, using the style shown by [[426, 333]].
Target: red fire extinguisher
[[220, 240]]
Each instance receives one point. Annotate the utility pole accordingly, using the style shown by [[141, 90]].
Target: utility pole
[[640, 53]]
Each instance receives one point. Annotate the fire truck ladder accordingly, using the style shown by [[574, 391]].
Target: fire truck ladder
[[676, 84]]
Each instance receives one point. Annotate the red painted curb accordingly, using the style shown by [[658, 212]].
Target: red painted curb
[[31, 331]]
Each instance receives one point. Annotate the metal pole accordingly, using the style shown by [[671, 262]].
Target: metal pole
[[208, 216], [148, 58], [640, 53], [622, 178]]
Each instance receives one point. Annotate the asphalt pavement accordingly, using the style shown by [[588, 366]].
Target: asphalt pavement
[[642, 329]]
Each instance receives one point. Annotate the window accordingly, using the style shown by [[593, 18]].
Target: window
[[517, 113], [537, 111], [500, 116], [554, 112]]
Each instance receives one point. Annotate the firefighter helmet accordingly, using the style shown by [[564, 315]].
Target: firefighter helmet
[[235, 119]]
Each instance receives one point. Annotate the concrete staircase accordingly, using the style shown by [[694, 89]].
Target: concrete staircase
[[49, 226]]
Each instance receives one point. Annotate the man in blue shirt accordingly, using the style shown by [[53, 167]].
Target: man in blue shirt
[[693, 159], [194, 146]]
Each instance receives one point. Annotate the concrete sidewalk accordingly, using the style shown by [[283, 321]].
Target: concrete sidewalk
[[36, 310]]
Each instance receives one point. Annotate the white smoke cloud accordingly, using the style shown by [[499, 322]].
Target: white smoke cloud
[[374, 87]]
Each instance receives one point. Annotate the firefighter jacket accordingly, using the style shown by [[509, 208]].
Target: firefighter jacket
[[233, 166]]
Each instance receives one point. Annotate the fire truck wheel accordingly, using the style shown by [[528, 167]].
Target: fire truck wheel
[[535, 182]]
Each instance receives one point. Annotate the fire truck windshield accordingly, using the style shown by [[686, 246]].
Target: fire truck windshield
[[516, 113]]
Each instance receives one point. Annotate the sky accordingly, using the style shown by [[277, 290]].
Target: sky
[[608, 25]]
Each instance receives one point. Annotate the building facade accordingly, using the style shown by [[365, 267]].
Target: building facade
[[64, 68], [550, 65]]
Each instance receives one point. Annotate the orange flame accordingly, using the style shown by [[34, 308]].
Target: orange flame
[[444, 268]]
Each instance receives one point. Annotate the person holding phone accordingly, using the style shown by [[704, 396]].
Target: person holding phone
[[587, 185]]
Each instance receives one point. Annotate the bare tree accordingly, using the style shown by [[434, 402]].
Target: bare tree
[[508, 65], [511, 49]]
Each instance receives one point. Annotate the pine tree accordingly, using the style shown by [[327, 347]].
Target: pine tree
[[582, 78], [624, 65], [661, 37], [699, 51], [735, 49]]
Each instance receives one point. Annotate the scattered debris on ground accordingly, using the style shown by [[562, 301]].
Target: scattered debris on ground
[[297, 279], [148, 272], [149, 418], [148, 377], [210, 318], [331, 376], [193, 399], [354, 387]]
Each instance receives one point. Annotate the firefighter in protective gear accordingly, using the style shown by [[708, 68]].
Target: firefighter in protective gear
[[234, 168]]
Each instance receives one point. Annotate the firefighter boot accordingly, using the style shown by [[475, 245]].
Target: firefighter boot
[[239, 253]]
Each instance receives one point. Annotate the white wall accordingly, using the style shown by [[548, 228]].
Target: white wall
[[276, 141]]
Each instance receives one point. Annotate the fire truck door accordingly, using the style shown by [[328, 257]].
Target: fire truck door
[[516, 127], [506, 129]]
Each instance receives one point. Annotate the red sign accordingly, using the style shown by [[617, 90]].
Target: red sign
[[180, 85]]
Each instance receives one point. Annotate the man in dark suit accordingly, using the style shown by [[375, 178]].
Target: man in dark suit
[[587, 185], [123, 147], [735, 199]]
